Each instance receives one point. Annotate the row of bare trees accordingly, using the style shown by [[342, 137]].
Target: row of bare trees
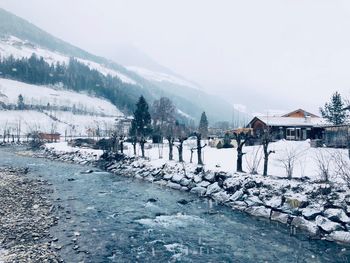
[[160, 123]]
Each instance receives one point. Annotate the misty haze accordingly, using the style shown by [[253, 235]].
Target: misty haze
[[174, 131]]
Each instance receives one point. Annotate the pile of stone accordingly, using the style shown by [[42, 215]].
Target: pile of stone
[[69, 157], [26, 216]]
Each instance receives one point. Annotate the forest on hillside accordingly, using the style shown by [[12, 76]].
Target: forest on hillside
[[75, 76]]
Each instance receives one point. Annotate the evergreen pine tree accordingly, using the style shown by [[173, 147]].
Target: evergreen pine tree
[[203, 126], [334, 110], [141, 124], [20, 102]]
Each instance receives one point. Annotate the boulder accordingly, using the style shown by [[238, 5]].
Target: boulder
[[204, 184], [221, 197], [213, 188], [337, 215], [305, 225], [177, 178], [340, 236], [310, 212], [274, 202], [231, 181], [161, 182], [185, 182], [197, 178], [210, 177], [198, 170], [327, 225], [173, 185], [189, 175], [168, 176], [198, 190], [260, 211], [253, 201], [149, 178], [280, 217], [249, 184], [236, 196], [238, 205]]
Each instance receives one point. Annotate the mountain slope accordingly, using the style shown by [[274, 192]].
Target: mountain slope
[[21, 38]]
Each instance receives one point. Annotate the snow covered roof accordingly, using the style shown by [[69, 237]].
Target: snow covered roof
[[292, 121]]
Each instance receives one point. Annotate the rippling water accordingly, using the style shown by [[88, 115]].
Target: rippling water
[[117, 219]]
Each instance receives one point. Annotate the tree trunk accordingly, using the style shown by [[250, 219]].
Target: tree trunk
[[142, 144], [266, 162], [180, 149], [239, 159], [266, 159], [171, 143], [121, 146], [199, 150], [134, 146]]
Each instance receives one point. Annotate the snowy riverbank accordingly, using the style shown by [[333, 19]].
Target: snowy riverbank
[[304, 203]]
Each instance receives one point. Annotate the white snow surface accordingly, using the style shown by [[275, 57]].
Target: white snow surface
[[73, 125], [63, 147], [160, 76], [42, 95], [292, 121], [19, 48]]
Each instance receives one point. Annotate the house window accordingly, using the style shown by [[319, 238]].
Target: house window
[[290, 134]]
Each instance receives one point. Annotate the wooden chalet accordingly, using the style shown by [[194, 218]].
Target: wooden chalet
[[296, 125], [49, 137]]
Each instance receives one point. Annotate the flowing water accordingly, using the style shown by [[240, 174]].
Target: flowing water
[[109, 218]]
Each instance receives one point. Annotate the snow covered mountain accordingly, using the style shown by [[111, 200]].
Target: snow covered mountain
[[19, 38]]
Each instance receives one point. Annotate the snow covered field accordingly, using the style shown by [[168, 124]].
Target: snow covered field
[[103, 113], [74, 125], [42, 95]]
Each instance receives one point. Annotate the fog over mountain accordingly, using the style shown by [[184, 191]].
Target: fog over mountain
[[263, 54]]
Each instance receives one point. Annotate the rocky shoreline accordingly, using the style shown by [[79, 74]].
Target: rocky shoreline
[[320, 209], [26, 216]]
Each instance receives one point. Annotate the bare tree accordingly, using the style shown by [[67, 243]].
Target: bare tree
[[4, 132], [241, 138], [199, 147], [342, 164], [163, 112], [288, 159], [323, 161], [53, 131], [266, 138], [253, 160], [18, 130], [170, 136], [181, 135]]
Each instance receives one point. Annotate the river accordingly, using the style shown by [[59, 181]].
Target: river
[[109, 218]]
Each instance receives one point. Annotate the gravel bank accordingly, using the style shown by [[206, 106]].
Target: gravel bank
[[26, 215]]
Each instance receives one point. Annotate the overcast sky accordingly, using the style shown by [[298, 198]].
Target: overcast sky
[[281, 54]]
